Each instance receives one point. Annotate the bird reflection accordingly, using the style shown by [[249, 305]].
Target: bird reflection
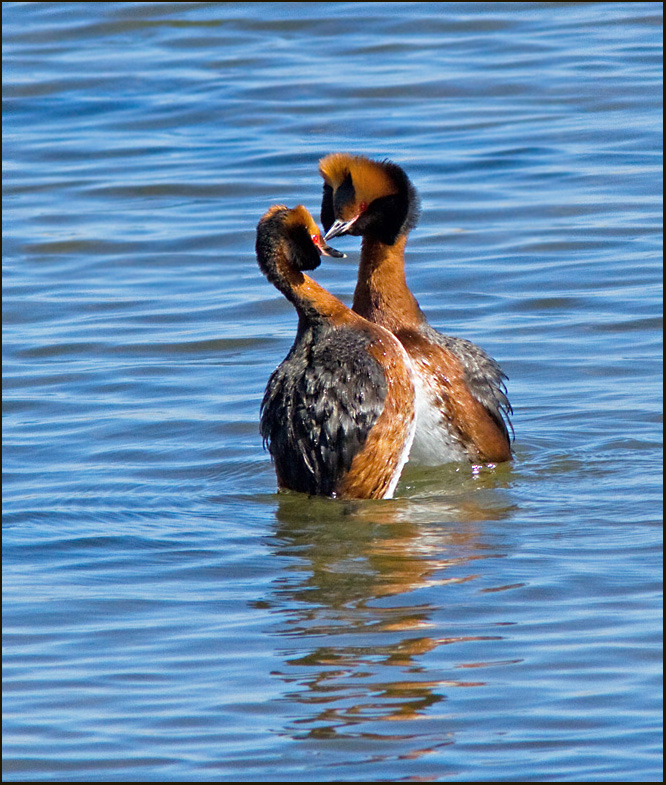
[[361, 605]]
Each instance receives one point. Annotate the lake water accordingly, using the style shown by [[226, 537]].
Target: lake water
[[168, 616]]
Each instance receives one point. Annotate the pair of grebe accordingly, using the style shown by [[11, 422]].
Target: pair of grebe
[[363, 390]]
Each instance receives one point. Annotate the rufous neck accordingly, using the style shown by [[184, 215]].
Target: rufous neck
[[382, 295], [313, 302], [310, 299]]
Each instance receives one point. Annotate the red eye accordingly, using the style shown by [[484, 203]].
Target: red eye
[[316, 239], [362, 207]]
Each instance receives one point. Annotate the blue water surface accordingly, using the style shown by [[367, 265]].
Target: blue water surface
[[167, 615]]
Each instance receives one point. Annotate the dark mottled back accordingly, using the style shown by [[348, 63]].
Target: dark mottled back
[[320, 405]]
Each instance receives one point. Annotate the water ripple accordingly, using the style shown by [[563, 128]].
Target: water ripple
[[169, 617]]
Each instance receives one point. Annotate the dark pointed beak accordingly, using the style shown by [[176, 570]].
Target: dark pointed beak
[[328, 251], [339, 227]]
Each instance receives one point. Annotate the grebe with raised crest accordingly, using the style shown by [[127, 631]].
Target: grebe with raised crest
[[338, 414], [462, 405]]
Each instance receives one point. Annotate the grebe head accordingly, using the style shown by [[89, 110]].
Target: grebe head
[[374, 199], [295, 233]]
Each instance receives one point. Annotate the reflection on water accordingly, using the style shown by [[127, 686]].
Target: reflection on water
[[351, 601], [167, 616]]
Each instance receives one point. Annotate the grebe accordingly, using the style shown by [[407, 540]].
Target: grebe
[[338, 414], [462, 405]]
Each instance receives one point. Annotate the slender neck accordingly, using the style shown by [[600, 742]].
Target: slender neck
[[382, 295], [310, 299]]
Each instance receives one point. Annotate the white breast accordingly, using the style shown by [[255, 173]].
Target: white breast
[[434, 442]]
